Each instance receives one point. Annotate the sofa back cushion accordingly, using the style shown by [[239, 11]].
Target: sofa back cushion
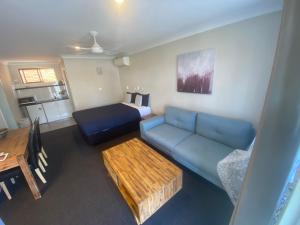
[[237, 134], [181, 118]]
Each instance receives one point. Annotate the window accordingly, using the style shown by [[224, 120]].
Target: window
[[48, 75], [30, 76], [36, 75]]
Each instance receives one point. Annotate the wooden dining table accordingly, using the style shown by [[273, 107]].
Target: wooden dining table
[[15, 144]]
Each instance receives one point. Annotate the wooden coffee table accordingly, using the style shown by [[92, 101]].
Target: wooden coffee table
[[145, 179]]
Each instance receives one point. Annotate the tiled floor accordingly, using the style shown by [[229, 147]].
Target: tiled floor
[[57, 125]]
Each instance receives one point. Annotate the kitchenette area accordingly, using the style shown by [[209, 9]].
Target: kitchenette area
[[37, 90], [49, 103]]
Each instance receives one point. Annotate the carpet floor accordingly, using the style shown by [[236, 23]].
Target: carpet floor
[[80, 192]]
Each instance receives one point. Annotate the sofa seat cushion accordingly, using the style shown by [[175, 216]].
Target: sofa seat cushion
[[166, 135], [202, 153]]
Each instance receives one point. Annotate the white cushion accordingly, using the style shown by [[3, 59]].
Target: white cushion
[[138, 100], [127, 97]]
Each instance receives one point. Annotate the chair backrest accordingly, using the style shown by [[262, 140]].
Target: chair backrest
[[32, 148], [37, 133]]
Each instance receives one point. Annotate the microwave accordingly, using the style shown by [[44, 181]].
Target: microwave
[[26, 100]]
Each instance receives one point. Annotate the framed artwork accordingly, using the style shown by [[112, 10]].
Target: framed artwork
[[195, 71]]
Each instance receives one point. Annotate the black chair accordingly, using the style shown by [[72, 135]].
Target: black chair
[[42, 154], [8, 175], [34, 161]]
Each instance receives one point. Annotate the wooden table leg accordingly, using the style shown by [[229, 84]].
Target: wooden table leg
[[29, 177]]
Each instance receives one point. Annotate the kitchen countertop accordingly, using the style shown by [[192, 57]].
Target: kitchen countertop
[[44, 101]]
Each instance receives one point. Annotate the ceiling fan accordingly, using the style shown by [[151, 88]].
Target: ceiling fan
[[95, 48]]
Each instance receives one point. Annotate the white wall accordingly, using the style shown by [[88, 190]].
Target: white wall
[[10, 94], [244, 57], [6, 112], [8, 105], [84, 82]]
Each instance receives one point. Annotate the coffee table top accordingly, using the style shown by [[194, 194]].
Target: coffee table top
[[142, 170]]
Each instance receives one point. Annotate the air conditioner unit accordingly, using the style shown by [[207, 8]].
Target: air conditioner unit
[[122, 61]]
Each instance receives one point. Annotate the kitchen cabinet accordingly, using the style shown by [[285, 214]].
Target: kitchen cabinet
[[51, 111], [36, 111], [65, 108], [58, 110]]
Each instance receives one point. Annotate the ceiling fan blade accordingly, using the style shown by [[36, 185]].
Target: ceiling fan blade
[[96, 48], [78, 48], [83, 48]]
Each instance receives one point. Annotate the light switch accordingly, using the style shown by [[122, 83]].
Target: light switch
[[99, 70]]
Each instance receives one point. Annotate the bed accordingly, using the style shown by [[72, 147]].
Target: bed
[[103, 123]]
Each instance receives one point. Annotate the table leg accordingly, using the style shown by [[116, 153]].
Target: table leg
[[29, 177]]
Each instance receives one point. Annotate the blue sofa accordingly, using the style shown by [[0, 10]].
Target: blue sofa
[[197, 140]]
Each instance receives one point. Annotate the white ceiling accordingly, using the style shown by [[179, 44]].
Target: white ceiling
[[31, 29]]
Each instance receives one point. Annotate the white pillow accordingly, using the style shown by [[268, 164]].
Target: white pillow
[[127, 97], [138, 100]]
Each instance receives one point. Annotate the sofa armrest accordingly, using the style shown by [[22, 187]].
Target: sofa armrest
[[150, 123]]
